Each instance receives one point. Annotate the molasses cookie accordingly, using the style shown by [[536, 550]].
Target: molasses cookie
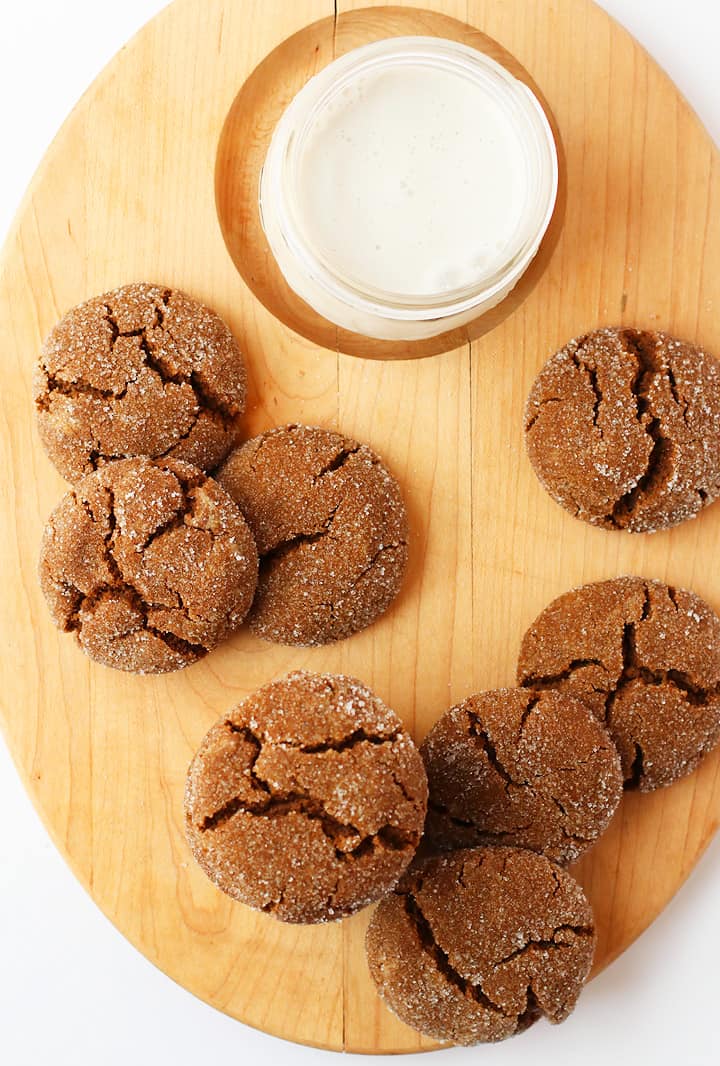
[[142, 370], [531, 769], [331, 528], [646, 658], [476, 945], [150, 563], [623, 429], [307, 800]]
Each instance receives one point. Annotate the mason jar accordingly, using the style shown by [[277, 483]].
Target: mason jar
[[407, 187]]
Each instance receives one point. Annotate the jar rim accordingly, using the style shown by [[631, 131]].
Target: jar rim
[[279, 173]]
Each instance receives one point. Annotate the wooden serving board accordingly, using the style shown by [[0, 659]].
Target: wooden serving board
[[130, 190]]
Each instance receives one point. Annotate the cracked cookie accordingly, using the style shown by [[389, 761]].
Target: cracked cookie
[[331, 529], [150, 563], [307, 800], [645, 657], [142, 370], [622, 428], [530, 769], [476, 945]]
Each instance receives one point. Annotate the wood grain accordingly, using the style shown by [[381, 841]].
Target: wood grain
[[130, 190]]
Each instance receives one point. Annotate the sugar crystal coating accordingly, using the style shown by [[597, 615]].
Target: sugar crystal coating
[[331, 529], [646, 658], [623, 429], [141, 370], [525, 768], [307, 800], [476, 945], [150, 563]]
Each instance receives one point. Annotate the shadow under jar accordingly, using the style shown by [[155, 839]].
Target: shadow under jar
[[408, 186]]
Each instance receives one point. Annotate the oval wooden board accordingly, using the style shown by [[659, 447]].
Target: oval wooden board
[[127, 192]]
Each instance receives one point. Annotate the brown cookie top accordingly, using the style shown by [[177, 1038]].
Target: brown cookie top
[[623, 429], [142, 370], [476, 945], [531, 769], [150, 563], [331, 529], [307, 800], [646, 658]]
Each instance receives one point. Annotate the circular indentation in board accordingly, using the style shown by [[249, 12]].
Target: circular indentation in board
[[244, 143]]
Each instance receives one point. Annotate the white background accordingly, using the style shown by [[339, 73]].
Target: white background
[[72, 991]]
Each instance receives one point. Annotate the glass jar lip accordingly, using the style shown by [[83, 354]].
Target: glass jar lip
[[279, 172]]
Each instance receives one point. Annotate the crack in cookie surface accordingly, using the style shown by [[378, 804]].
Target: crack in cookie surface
[[331, 528], [441, 959], [347, 839], [149, 563], [618, 426], [529, 768], [477, 945], [654, 481], [315, 774], [646, 658], [140, 370]]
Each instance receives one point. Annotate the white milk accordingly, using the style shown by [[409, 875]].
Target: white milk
[[407, 187], [412, 181]]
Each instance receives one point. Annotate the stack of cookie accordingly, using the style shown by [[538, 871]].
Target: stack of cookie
[[152, 561], [619, 688], [309, 800]]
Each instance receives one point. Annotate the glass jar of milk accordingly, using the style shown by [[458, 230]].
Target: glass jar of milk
[[408, 186]]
